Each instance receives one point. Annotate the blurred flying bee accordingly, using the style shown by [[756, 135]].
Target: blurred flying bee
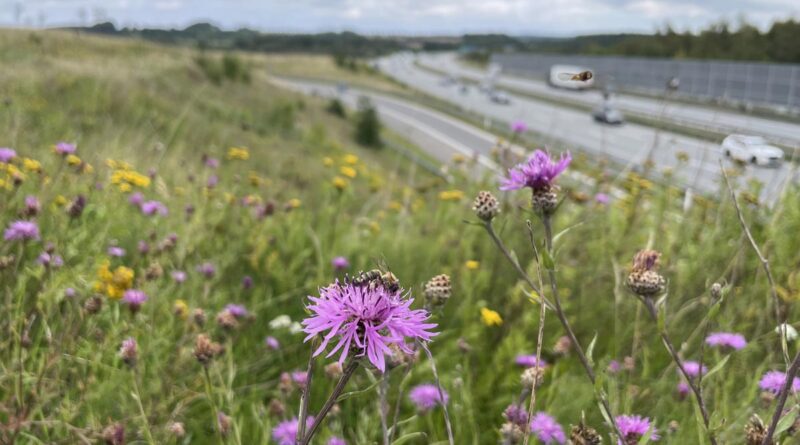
[[375, 277], [583, 76]]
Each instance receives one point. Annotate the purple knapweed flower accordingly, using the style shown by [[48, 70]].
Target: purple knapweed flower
[[207, 269], [300, 378], [65, 148], [547, 430], [212, 162], [285, 433], [70, 292], [237, 310], [773, 381], [21, 231], [601, 198], [7, 154], [340, 263], [272, 343], [178, 275], [247, 282], [519, 127], [47, 259], [426, 397], [336, 441], [634, 428], [32, 205], [693, 369], [212, 181], [151, 208], [136, 199], [516, 414], [540, 171], [129, 351], [143, 247], [134, 298], [116, 251], [726, 340], [683, 390], [367, 319], [614, 366], [529, 361]]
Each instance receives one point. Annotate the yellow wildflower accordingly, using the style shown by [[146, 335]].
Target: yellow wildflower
[[238, 153], [472, 265], [350, 172], [125, 187], [181, 309], [327, 162], [339, 182], [374, 227], [294, 203], [60, 200], [451, 195], [32, 165], [351, 159], [490, 317], [395, 205], [73, 160]]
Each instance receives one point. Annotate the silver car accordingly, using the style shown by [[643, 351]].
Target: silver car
[[753, 149]]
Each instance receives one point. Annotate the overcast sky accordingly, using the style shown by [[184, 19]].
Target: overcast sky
[[528, 17]]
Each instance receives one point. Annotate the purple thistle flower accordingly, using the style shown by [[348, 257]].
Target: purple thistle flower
[[247, 282], [336, 441], [178, 275], [129, 351], [529, 361], [367, 319], [516, 414], [237, 310], [613, 366], [70, 292], [634, 428], [547, 430], [21, 231], [538, 172], [773, 381], [7, 154], [116, 251], [693, 369], [134, 298], [683, 390], [32, 205], [207, 269], [272, 343], [727, 340], [340, 263], [519, 127], [212, 162], [143, 247], [300, 378], [285, 433], [601, 198], [212, 181], [47, 259], [65, 148], [151, 208], [136, 198], [426, 397]]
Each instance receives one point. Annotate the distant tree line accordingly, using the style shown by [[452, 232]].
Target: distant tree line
[[719, 41]]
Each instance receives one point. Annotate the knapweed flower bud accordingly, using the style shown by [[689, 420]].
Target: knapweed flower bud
[[226, 320], [223, 423], [199, 317], [755, 432], [129, 351], [205, 349], [93, 304], [437, 291], [276, 408], [285, 383], [644, 279], [177, 429], [75, 208], [486, 206], [532, 376], [114, 434], [563, 345], [581, 434], [545, 200]]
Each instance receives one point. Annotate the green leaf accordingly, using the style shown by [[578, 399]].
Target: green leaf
[[350, 394], [409, 437], [787, 420], [564, 232], [718, 367], [547, 260], [590, 349]]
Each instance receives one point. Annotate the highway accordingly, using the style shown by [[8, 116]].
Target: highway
[[693, 116]]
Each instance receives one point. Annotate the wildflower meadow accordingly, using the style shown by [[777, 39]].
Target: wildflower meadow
[[196, 261]]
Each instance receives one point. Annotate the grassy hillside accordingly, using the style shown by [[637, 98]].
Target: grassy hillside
[[261, 189]]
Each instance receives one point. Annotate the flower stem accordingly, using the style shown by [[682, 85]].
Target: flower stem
[[337, 391], [587, 366], [301, 425], [383, 406], [441, 393], [396, 415], [787, 386], [698, 395], [213, 403], [539, 338], [145, 422]]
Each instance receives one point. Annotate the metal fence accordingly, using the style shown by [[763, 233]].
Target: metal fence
[[772, 84]]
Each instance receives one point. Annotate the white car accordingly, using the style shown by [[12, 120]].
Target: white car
[[753, 149], [499, 97]]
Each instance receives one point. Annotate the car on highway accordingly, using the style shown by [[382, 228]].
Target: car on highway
[[607, 114], [499, 97], [753, 149]]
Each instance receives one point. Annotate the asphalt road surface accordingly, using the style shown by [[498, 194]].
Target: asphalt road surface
[[443, 136], [564, 127], [694, 116]]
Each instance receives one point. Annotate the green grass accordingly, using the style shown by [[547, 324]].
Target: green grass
[[62, 380]]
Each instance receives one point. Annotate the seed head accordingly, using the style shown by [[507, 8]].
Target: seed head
[[544, 200], [486, 206], [644, 279], [755, 432], [563, 345], [532, 376], [437, 291], [199, 317], [93, 304], [205, 349], [582, 434], [114, 434]]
